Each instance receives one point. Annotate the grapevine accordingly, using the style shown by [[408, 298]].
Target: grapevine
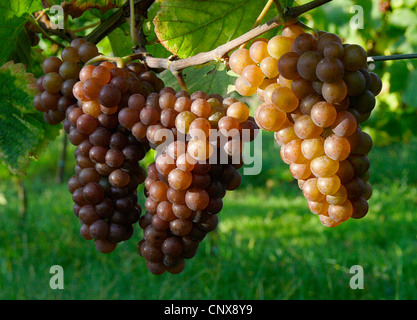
[[314, 92]]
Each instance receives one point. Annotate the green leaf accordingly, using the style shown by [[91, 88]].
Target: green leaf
[[13, 16], [211, 78], [187, 27], [410, 96], [403, 18], [120, 42], [398, 72], [23, 132]]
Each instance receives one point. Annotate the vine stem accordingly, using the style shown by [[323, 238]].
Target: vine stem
[[260, 17], [219, 54], [393, 57], [43, 32], [132, 23]]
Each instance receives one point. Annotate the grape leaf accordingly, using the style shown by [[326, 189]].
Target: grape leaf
[[187, 27], [23, 132], [13, 16], [76, 8], [211, 78]]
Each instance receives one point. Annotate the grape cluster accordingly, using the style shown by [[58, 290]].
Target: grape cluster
[[319, 93], [55, 86], [185, 185], [104, 188]]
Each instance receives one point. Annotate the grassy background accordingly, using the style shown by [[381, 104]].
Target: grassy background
[[268, 245]]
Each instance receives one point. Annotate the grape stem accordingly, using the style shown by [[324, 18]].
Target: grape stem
[[393, 57], [220, 53]]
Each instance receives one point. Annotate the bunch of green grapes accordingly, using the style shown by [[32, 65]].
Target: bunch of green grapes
[[315, 103], [104, 188], [185, 185], [55, 87]]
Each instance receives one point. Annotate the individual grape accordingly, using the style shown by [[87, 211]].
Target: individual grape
[[337, 198], [183, 121], [279, 45], [330, 70], [342, 212], [312, 148], [196, 199], [119, 178], [240, 59], [87, 51], [292, 31], [354, 58], [376, 83], [308, 103], [356, 82], [345, 124], [337, 147], [360, 208], [319, 208], [285, 135], [287, 65], [186, 162], [324, 167], [268, 92], [329, 185], [109, 96], [181, 211], [253, 75], [201, 108], [307, 63], [269, 118], [355, 188], [300, 170], [365, 102], [303, 43], [302, 88], [311, 190], [179, 180], [325, 39], [305, 128], [292, 152], [105, 246], [269, 67], [51, 64], [243, 87], [239, 111], [333, 50], [366, 145], [149, 116], [323, 114], [69, 70], [180, 227], [102, 74], [52, 82], [284, 99], [328, 222], [360, 163], [228, 126], [334, 92], [86, 124], [200, 150]]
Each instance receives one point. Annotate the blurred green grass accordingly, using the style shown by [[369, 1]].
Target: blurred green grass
[[268, 245]]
